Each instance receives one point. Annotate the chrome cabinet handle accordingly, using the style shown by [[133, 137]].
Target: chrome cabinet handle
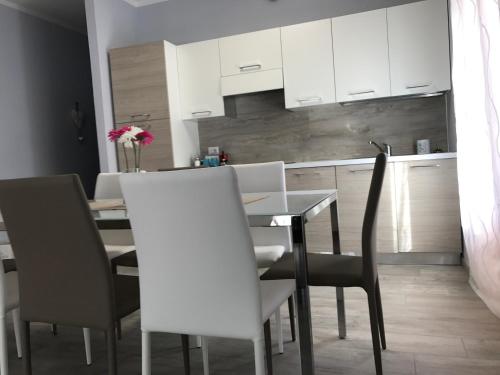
[[312, 99], [370, 91], [135, 115], [425, 166], [201, 113], [360, 170], [418, 85], [250, 67]]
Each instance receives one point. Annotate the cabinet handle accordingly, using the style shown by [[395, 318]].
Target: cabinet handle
[[201, 113], [312, 99], [361, 170], [370, 91], [418, 85], [425, 166], [250, 67], [135, 115]]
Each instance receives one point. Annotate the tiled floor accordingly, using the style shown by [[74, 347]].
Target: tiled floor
[[435, 325]]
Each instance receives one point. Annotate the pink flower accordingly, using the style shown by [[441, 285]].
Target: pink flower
[[145, 138], [115, 134]]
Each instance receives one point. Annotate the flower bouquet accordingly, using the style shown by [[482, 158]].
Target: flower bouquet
[[131, 138]]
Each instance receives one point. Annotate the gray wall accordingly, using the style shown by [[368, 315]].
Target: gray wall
[[263, 130], [44, 69], [183, 21]]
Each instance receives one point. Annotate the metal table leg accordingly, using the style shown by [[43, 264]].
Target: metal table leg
[[303, 299], [336, 250]]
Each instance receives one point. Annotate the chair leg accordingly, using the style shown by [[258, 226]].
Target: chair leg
[[54, 329], [198, 341], [269, 352], [185, 354], [372, 305], [25, 329], [341, 313], [380, 315], [4, 366], [146, 353], [279, 330], [88, 348], [291, 313], [16, 319], [204, 353], [119, 329], [111, 344], [260, 362]]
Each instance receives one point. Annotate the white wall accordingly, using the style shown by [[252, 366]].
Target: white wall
[[110, 24]]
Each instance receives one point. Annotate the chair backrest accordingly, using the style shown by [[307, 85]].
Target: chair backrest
[[64, 274], [369, 231], [108, 186], [265, 177], [197, 268]]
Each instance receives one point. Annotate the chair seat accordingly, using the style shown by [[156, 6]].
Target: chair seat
[[128, 259], [114, 251], [274, 293], [324, 270], [11, 291], [268, 255], [126, 294], [9, 265]]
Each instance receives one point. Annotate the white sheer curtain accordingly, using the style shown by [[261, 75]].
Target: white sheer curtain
[[476, 82]]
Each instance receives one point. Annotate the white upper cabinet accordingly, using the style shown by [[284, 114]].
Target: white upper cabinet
[[251, 62], [308, 64], [419, 47], [361, 56], [199, 80]]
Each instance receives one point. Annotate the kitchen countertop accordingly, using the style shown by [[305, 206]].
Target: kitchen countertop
[[333, 163]]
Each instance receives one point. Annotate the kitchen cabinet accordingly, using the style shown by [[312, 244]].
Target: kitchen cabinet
[[353, 184], [308, 64], [319, 230], [251, 62], [145, 88], [199, 80], [419, 49], [360, 52], [428, 206], [138, 78]]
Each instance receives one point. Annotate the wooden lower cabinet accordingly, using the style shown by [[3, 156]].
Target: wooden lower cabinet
[[319, 230], [157, 155], [353, 184], [428, 206]]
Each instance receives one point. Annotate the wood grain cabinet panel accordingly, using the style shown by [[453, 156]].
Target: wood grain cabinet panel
[[353, 184], [319, 230], [139, 81], [157, 155], [428, 206]]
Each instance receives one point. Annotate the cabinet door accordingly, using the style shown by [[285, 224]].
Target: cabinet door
[[199, 80], [138, 78], [308, 64], [250, 52], [319, 230], [353, 184], [419, 47], [428, 206], [361, 56], [157, 155]]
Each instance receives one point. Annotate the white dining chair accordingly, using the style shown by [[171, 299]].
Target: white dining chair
[[197, 268], [269, 243], [9, 295]]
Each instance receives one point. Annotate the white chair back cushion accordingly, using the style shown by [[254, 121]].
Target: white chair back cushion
[[197, 267], [265, 177], [108, 186]]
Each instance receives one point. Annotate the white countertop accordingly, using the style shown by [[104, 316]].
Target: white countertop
[[332, 163]]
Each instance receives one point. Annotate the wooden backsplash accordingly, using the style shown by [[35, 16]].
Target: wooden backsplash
[[261, 129]]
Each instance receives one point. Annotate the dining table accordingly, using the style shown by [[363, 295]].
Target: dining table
[[292, 209]]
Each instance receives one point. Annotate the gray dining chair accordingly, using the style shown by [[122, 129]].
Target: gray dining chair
[[345, 271]]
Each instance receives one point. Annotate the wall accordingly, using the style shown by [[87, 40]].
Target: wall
[[183, 21], [263, 130], [110, 24], [44, 69]]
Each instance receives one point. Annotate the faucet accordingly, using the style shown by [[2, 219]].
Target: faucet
[[388, 147]]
